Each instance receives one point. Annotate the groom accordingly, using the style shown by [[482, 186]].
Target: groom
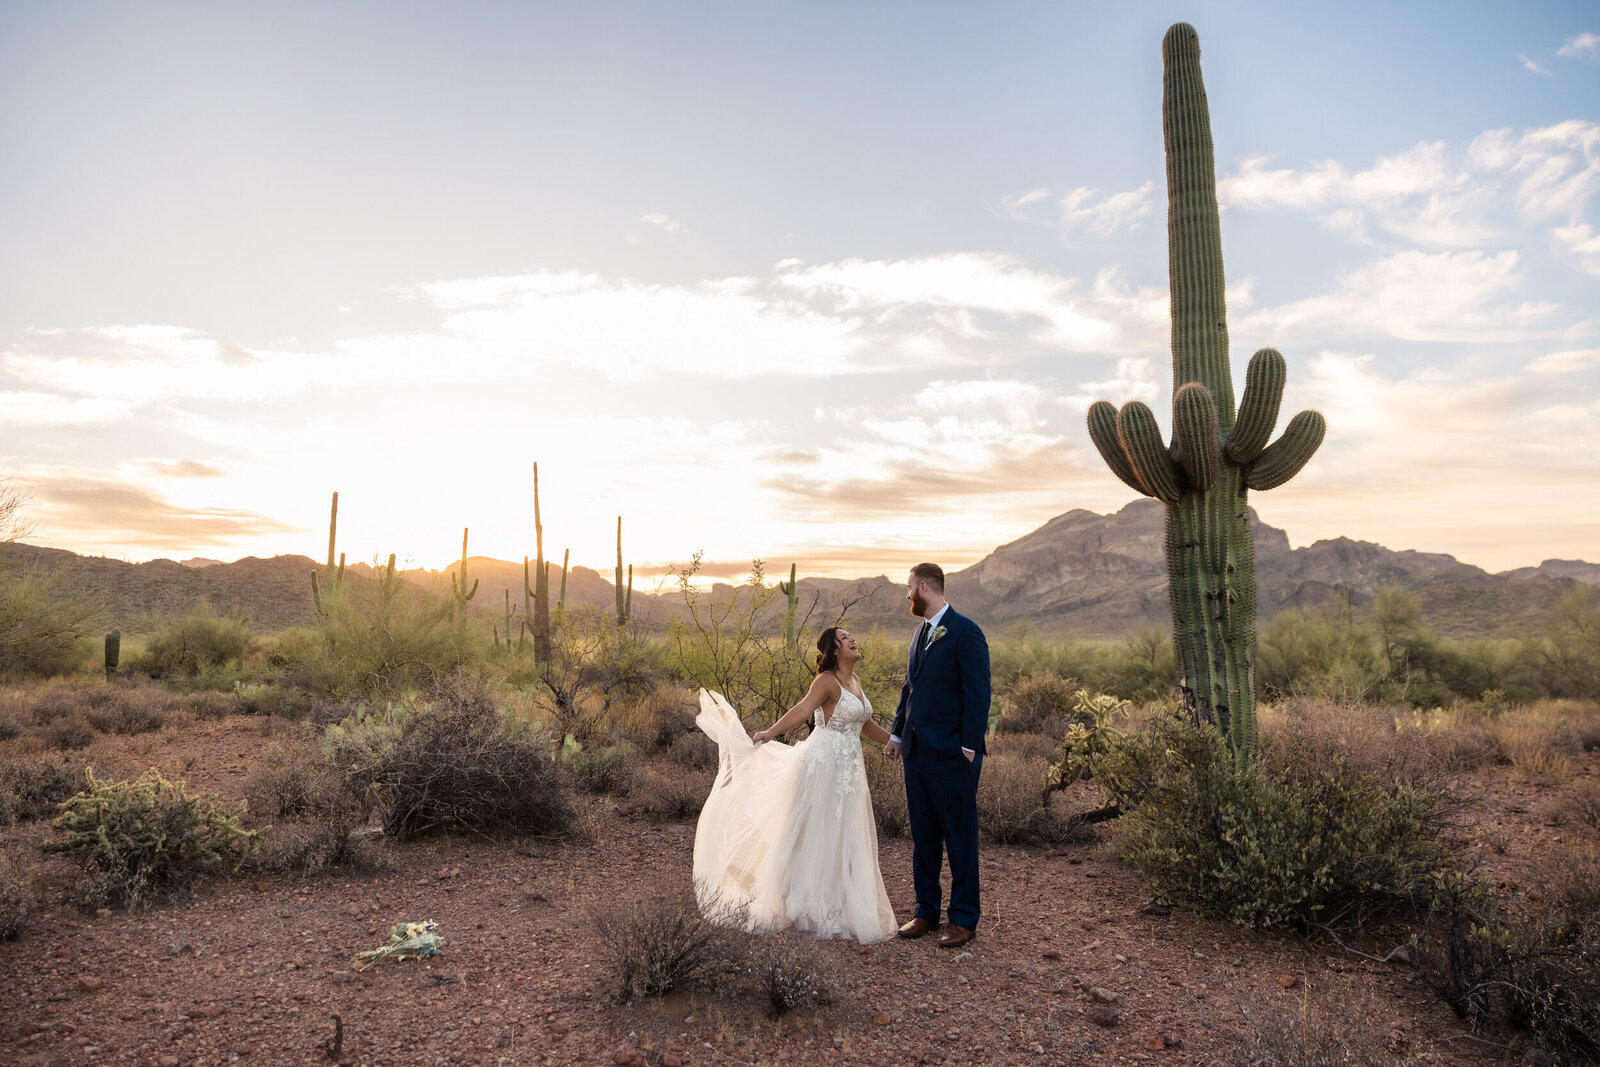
[[939, 727]]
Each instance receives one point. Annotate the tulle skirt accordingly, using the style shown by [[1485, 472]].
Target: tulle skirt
[[786, 839]]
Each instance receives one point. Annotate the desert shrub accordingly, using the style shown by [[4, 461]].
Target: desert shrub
[[668, 790], [1040, 703], [601, 769], [42, 621], [788, 972], [129, 710], [317, 845], [1020, 655], [1013, 806], [1293, 840], [200, 640], [1142, 666], [382, 636], [667, 942], [31, 787], [1582, 806], [886, 781], [1323, 654], [134, 840], [68, 732], [1366, 740], [16, 897], [1536, 972], [10, 724], [455, 762], [294, 778], [659, 717], [695, 752]]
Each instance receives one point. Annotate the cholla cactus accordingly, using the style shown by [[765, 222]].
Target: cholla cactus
[[1217, 453]]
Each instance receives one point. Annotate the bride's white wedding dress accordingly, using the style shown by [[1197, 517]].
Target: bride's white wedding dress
[[787, 833]]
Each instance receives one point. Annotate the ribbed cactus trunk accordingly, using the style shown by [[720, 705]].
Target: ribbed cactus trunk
[[1210, 565], [1214, 458]]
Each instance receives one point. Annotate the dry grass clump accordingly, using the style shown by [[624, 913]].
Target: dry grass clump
[[667, 942], [658, 718], [129, 710], [694, 751], [671, 942], [1015, 809], [1344, 1033], [1581, 807], [294, 779], [16, 897], [319, 845], [788, 972], [669, 790], [1535, 971], [1366, 739]]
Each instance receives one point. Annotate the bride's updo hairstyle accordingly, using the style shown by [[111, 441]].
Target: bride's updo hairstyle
[[828, 650]]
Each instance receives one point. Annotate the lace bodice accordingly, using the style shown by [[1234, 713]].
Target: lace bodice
[[848, 714]]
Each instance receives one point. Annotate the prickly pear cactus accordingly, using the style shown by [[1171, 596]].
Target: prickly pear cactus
[[1217, 453]]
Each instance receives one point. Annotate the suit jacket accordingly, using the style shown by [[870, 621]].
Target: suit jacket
[[944, 704]]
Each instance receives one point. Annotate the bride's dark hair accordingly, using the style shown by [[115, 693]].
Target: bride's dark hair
[[828, 650]]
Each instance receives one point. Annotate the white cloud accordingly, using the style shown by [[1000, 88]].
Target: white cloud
[[1583, 46], [49, 409], [1570, 361], [1533, 67], [1419, 296], [1557, 168], [1083, 210]]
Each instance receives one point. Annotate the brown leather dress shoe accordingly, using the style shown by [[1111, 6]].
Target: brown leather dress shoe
[[956, 936], [917, 927]]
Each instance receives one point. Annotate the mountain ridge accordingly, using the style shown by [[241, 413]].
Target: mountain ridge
[[1081, 572]]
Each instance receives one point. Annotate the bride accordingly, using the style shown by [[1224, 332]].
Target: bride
[[787, 833]]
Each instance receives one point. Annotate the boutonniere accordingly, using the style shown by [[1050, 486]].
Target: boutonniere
[[936, 633]]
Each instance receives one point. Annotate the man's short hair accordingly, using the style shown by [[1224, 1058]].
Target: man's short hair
[[931, 573]]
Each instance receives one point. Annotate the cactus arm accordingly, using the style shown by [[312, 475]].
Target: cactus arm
[[1103, 432], [1194, 424], [333, 530], [1285, 457], [316, 595], [1258, 411], [1151, 462]]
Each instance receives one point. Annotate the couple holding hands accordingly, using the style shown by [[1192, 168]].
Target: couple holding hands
[[787, 834]]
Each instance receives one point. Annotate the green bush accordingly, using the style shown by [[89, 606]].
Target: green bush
[[1322, 654], [1039, 703], [136, 840], [1142, 666], [42, 621], [453, 762], [1289, 842], [201, 641], [382, 637]]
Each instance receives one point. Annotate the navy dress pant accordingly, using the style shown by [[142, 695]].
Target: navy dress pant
[[942, 803]]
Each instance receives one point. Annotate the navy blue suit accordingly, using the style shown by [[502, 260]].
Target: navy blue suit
[[944, 707]]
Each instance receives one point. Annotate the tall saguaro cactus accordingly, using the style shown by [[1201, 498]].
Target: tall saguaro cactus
[[624, 606], [458, 581], [791, 590], [1217, 453], [541, 581], [335, 577]]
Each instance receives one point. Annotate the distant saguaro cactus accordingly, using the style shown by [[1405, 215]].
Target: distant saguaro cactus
[[1216, 454], [335, 577], [790, 589], [624, 606], [113, 653], [458, 581], [540, 615]]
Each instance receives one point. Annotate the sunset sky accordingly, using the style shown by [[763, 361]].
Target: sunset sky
[[831, 283]]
